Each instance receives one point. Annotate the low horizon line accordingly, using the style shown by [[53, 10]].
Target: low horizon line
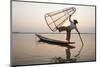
[[49, 33]]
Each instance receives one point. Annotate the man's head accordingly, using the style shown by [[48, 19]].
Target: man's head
[[75, 21]]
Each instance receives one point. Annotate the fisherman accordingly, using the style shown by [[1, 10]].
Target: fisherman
[[69, 28]]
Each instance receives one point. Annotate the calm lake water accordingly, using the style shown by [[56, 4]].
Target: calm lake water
[[27, 50]]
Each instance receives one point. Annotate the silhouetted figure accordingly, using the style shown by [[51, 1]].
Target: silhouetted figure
[[69, 28]]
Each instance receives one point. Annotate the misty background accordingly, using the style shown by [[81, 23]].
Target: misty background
[[29, 17]]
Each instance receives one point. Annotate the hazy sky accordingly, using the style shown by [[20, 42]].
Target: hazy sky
[[29, 17]]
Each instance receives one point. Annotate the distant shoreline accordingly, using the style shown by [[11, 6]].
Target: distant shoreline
[[45, 33]]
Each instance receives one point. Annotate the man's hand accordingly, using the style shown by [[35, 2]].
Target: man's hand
[[70, 15]]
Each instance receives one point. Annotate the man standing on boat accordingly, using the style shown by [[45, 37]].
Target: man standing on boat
[[69, 28]]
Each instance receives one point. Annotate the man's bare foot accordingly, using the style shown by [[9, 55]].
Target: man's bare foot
[[68, 41], [58, 29]]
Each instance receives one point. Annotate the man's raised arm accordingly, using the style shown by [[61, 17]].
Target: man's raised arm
[[70, 18]]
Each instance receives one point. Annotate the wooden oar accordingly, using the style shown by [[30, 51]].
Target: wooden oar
[[81, 46]]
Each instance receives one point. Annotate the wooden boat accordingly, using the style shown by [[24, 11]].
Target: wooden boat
[[55, 42]]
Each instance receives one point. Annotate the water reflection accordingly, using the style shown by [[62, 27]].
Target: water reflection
[[26, 49]]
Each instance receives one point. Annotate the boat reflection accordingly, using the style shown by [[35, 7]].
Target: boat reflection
[[68, 49]]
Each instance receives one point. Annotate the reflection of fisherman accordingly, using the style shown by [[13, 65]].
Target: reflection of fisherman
[[69, 28]]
